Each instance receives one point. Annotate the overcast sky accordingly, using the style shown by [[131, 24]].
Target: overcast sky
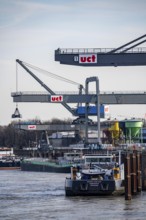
[[30, 30]]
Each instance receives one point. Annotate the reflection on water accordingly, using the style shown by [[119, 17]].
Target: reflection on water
[[33, 195]]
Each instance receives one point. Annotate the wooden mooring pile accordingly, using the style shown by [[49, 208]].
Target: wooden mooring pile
[[135, 173]]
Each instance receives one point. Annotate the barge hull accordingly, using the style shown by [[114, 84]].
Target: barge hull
[[89, 188], [44, 168], [9, 165]]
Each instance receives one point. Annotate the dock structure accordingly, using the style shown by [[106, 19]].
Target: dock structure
[[135, 177]]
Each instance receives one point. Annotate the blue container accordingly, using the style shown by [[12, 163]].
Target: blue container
[[92, 111]]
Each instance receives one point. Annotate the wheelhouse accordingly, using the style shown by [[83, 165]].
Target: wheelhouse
[[98, 159]]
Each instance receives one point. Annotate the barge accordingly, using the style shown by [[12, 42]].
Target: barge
[[8, 161], [60, 165], [44, 165], [93, 180]]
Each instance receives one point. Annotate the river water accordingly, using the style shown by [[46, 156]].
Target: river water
[[41, 196]]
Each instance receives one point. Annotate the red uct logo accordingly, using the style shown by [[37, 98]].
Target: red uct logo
[[88, 58], [56, 98], [31, 127]]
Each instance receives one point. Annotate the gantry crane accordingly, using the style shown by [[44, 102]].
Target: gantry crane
[[79, 111], [125, 55], [82, 112]]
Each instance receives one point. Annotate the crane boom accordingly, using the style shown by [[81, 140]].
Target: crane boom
[[45, 86], [129, 43]]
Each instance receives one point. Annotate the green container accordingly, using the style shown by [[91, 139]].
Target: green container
[[131, 128]]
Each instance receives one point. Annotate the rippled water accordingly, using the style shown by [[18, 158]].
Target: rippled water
[[40, 196]]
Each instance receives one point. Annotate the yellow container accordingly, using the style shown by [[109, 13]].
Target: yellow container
[[116, 172]]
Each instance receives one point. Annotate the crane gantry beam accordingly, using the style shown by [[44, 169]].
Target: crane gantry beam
[[106, 98], [125, 55]]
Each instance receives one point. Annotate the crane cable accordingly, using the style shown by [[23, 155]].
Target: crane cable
[[16, 82], [16, 113], [52, 75]]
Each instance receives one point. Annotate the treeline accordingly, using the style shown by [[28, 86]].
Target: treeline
[[12, 137]]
